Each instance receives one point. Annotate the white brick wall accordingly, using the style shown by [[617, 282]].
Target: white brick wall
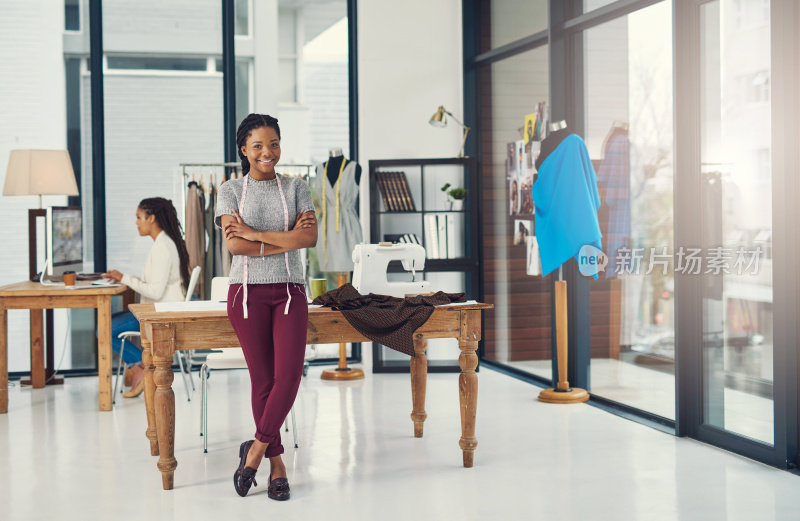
[[33, 109]]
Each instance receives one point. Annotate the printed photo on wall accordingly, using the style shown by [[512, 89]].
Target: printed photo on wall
[[526, 195], [513, 196], [522, 230], [511, 160], [520, 150], [533, 266], [529, 126], [541, 118]]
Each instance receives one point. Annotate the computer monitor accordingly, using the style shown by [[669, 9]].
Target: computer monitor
[[64, 239]]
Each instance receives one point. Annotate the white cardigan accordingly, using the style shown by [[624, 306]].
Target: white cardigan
[[161, 277]]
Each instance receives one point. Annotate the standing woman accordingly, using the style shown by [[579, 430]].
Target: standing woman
[[165, 277], [266, 219]]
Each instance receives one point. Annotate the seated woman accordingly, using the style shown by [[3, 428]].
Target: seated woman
[[164, 278]]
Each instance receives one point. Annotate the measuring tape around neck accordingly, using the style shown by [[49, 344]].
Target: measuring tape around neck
[[285, 254]]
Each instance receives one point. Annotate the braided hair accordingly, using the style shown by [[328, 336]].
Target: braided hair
[[248, 124], [167, 218]]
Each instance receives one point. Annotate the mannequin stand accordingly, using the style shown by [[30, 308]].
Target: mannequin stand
[[562, 393], [342, 372]]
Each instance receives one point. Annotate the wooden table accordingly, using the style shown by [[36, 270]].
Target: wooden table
[[164, 332], [37, 297]]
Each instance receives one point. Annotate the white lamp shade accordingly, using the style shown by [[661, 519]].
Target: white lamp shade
[[40, 172]]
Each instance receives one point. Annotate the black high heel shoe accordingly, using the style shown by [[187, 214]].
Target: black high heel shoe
[[244, 477]]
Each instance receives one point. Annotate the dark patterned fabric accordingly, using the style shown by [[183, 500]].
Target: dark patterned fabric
[[390, 321]]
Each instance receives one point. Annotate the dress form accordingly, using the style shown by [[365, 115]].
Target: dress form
[[335, 158], [332, 169]]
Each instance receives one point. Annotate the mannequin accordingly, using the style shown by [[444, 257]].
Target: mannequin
[[334, 162], [336, 187], [558, 132]]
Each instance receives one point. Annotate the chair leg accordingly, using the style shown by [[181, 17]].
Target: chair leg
[[119, 371], [202, 395], [183, 375], [294, 428], [188, 359], [205, 411]]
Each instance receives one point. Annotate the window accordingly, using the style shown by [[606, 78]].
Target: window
[[72, 15], [518, 330], [154, 63], [628, 106], [242, 17]]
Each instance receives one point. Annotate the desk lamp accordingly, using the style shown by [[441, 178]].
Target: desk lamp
[[439, 119], [40, 172]]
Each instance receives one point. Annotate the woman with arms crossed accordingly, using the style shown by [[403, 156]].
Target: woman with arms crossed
[[266, 219]]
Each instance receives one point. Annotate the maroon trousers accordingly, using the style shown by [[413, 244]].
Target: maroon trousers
[[274, 347]]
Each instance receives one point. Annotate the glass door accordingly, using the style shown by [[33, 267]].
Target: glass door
[[733, 263]]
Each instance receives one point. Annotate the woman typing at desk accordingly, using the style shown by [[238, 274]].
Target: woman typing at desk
[[267, 218], [164, 278]]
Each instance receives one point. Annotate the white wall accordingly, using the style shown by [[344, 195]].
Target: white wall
[[409, 62], [33, 108]]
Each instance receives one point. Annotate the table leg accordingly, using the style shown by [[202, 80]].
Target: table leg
[[468, 381], [419, 378], [104, 368], [149, 393], [37, 349], [3, 360], [163, 350]]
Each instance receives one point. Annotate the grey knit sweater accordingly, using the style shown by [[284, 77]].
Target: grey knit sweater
[[263, 211]]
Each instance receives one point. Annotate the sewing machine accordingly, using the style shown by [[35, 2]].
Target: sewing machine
[[372, 260]]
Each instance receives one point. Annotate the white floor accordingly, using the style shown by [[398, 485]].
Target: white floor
[[358, 460]]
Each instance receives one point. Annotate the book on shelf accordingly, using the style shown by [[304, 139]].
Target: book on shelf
[[444, 236], [407, 199], [395, 192], [402, 238], [431, 236], [441, 224], [382, 189], [394, 197]]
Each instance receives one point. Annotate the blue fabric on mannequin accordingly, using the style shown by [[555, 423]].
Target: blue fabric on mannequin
[[566, 202]]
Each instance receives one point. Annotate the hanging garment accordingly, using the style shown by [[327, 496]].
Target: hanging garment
[[390, 321], [195, 229], [211, 245], [225, 254], [613, 181], [219, 245], [338, 227], [566, 204]]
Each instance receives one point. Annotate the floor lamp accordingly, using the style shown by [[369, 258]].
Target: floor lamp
[[40, 172]]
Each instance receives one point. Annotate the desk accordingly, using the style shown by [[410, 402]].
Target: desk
[[164, 332], [36, 297]]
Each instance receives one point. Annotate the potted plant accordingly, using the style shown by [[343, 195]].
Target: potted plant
[[455, 196]]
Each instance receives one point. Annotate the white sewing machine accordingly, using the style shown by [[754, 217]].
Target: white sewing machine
[[372, 260]]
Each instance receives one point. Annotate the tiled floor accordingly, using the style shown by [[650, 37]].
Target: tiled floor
[[61, 458]]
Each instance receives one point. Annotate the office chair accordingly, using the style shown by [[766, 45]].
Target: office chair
[[126, 335]]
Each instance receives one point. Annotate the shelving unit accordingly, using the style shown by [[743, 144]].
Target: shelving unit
[[454, 274]]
